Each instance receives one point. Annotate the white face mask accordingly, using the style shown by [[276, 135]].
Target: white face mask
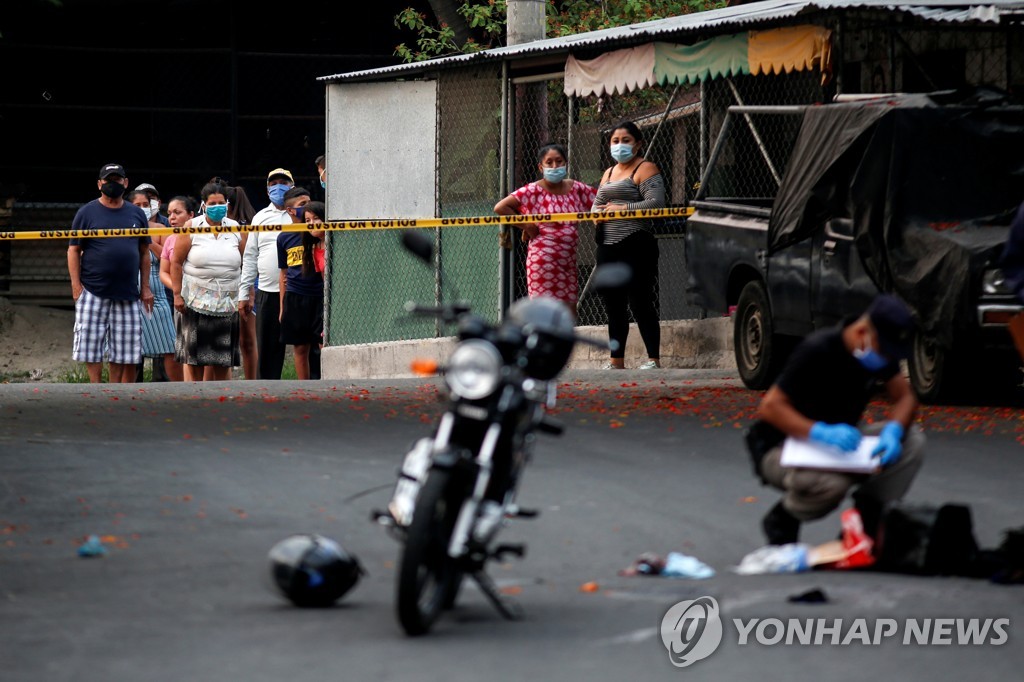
[[148, 211], [154, 207]]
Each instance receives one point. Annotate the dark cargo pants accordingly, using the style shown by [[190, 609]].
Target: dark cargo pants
[[812, 493]]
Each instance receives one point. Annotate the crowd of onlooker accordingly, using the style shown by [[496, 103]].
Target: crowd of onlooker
[[198, 304]]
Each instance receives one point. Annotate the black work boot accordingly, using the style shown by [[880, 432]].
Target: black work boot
[[780, 527]]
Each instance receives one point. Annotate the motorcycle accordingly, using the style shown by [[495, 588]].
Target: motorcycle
[[457, 488]]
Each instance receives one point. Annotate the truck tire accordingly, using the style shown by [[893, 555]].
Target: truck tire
[[932, 374], [758, 349]]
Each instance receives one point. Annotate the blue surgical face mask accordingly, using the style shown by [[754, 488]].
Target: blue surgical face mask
[[622, 152], [216, 212], [323, 184], [870, 359], [276, 193], [300, 212], [556, 174]]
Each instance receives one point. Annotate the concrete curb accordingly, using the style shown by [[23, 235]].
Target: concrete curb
[[685, 344]]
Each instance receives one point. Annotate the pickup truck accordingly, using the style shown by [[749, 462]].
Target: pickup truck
[[805, 213]]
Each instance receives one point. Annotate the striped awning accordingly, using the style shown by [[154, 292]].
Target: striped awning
[[776, 51], [616, 72]]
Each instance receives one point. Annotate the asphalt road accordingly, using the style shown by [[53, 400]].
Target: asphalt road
[[191, 485]]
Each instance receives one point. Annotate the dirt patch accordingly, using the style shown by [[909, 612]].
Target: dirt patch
[[35, 345], [35, 342]]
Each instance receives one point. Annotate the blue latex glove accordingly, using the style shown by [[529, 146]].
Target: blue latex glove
[[890, 444], [842, 436]]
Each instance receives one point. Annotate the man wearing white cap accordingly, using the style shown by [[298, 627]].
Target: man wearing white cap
[[259, 265]]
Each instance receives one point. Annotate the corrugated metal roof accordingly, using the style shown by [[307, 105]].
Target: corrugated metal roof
[[942, 11]]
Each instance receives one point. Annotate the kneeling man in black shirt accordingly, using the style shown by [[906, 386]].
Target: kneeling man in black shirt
[[821, 395]]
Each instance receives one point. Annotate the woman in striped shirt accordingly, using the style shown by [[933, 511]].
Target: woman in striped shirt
[[633, 183]]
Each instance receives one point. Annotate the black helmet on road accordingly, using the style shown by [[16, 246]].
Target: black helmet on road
[[311, 570]]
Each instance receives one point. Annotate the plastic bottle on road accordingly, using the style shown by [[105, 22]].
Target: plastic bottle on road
[[791, 558]]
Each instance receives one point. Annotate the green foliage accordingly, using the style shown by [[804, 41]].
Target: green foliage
[[288, 372], [77, 374], [486, 19], [432, 41]]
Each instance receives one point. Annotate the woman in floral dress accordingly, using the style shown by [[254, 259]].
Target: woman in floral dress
[[551, 254]]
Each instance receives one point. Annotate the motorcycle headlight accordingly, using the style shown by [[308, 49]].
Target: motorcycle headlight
[[993, 282], [473, 369]]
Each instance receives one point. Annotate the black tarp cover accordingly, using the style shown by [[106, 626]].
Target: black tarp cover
[[930, 189]]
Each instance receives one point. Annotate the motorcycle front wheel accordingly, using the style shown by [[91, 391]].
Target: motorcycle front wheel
[[427, 577]]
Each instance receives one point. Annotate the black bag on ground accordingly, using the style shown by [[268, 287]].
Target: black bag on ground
[[1005, 564], [927, 539]]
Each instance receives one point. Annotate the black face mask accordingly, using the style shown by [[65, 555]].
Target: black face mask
[[114, 190]]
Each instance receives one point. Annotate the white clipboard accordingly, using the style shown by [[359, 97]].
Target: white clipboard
[[797, 452]]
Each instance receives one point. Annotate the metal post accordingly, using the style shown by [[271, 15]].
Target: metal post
[[569, 136], [526, 21], [505, 270], [757, 135], [726, 124], [838, 52], [1008, 37], [438, 279], [664, 116], [703, 128]]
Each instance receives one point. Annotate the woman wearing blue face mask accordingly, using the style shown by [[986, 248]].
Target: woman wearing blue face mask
[[157, 324], [551, 254], [633, 183], [205, 273]]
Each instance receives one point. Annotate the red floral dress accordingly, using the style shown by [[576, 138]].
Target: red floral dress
[[551, 255]]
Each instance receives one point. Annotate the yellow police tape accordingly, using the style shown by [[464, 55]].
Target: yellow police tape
[[384, 224]]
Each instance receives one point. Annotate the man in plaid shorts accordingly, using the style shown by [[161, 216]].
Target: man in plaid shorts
[[109, 278]]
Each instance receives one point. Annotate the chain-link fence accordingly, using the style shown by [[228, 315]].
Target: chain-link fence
[[920, 58], [37, 271], [751, 156]]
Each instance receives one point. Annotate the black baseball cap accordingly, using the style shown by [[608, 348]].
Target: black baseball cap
[[112, 169], [894, 325]]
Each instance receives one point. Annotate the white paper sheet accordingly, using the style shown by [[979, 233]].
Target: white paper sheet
[[797, 452]]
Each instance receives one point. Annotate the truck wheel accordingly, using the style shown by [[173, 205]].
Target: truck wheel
[[931, 374], [757, 348]]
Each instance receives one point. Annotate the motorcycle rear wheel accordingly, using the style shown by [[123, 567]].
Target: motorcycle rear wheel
[[427, 577]]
